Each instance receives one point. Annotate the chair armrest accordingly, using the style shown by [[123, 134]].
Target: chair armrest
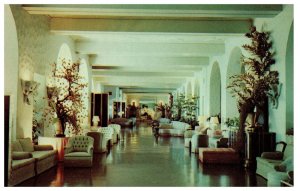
[[43, 147], [90, 149], [283, 145], [272, 155], [20, 155], [67, 150], [223, 142]]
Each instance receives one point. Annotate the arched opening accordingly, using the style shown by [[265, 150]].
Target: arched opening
[[234, 68], [215, 90], [290, 79], [64, 54]]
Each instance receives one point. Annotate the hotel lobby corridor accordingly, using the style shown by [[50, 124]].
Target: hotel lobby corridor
[[140, 159]]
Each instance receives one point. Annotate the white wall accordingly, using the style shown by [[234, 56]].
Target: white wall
[[10, 74], [38, 48], [279, 27], [11, 53]]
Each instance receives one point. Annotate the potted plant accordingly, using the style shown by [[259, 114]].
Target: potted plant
[[253, 88]]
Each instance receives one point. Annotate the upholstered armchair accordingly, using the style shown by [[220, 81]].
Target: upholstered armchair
[[79, 152], [117, 132], [276, 166], [198, 140], [99, 141], [108, 134]]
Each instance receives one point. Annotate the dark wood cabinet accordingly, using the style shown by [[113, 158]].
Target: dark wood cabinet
[[255, 144], [117, 108], [6, 137], [99, 107]]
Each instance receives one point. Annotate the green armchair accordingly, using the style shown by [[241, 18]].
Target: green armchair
[[79, 152]]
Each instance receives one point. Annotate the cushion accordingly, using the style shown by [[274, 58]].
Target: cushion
[[21, 155], [165, 126], [286, 165], [272, 155], [16, 164], [16, 146], [78, 154], [40, 155], [26, 144], [215, 133]]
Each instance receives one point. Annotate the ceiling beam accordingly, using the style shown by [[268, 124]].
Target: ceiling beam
[[143, 61], [166, 26], [155, 10], [150, 49], [145, 73]]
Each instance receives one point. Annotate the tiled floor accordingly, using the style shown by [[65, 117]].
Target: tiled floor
[[140, 159]]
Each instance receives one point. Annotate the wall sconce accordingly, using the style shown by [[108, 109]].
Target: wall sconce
[[51, 91], [28, 89]]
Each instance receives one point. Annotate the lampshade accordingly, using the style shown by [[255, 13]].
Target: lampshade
[[96, 118], [214, 120], [202, 119]]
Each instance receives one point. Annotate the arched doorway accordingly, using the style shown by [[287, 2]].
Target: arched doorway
[[234, 68], [215, 90]]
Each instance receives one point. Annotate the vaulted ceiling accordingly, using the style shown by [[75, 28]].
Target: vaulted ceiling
[[150, 48]]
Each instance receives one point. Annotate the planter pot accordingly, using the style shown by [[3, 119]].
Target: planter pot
[[58, 129]]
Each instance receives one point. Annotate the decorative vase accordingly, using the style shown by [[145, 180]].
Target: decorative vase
[[59, 129]]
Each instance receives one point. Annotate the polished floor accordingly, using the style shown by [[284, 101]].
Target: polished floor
[[140, 159]]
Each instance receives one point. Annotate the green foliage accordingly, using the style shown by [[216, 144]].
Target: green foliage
[[255, 84], [185, 109], [232, 122]]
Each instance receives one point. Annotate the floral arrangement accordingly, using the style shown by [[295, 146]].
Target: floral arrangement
[[65, 96]]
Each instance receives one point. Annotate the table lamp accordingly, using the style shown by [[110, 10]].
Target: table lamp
[[214, 121], [202, 119], [96, 120]]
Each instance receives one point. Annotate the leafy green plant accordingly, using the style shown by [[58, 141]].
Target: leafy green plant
[[178, 106], [232, 122], [184, 109]]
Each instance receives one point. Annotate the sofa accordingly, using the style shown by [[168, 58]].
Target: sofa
[[201, 129], [164, 121], [122, 121], [29, 160], [175, 128], [271, 165]]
